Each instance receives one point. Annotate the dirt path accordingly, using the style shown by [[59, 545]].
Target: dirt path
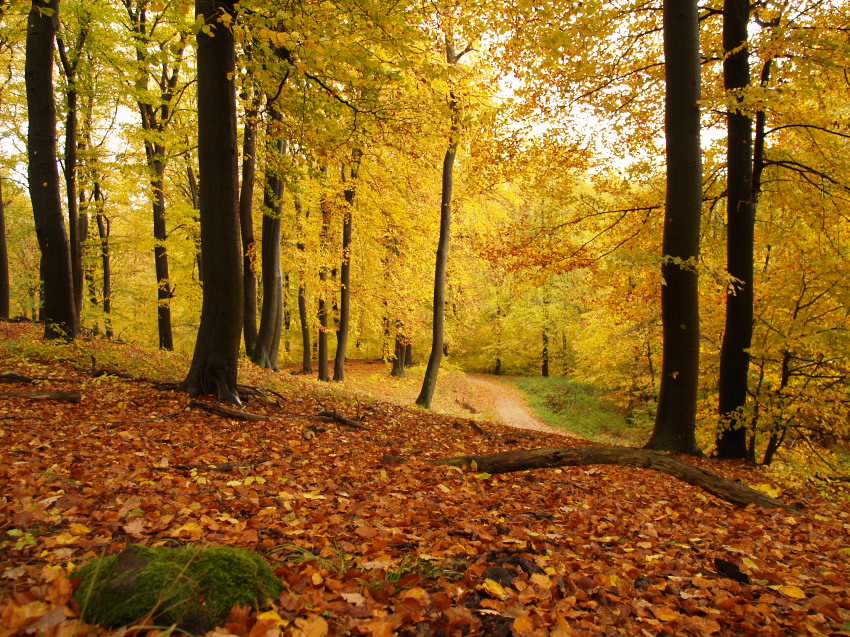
[[505, 404]]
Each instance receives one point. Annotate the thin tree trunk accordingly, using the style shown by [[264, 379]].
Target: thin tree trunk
[[5, 290], [306, 347], [214, 363], [740, 214], [345, 271], [246, 223], [324, 326], [429, 382], [69, 67], [59, 311], [675, 422], [267, 345], [164, 290], [545, 367], [105, 259]]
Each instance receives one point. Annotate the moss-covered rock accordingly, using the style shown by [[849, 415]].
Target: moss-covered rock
[[192, 587]]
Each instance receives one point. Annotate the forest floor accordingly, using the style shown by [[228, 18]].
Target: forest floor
[[371, 536]]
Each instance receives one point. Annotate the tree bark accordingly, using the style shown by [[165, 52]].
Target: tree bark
[[214, 364], [246, 223], [69, 66], [740, 215], [59, 311], [5, 291], [522, 460], [105, 259], [675, 423], [324, 327], [267, 346], [345, 270]]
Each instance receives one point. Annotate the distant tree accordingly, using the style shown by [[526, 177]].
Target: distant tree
[[59, 312], [345, 268], [675, 422], [214, 364]]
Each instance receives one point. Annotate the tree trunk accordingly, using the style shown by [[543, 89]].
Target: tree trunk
[[324, 327], [214, 364], [5, 291], [246, 223], [306, 347], [164, 290], [105, 259], [267, 346], [740, 214], [59, 311], [399, 357], [345, 271], [675, 422], [70, 170], [545, 368], [523, 460], [429, 382]]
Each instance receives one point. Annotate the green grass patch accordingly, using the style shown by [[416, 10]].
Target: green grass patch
[[582, 409]]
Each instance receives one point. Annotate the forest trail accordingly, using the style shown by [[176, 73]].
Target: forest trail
[[505, 404]]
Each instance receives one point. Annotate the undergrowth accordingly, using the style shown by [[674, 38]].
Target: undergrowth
[[581, 409]]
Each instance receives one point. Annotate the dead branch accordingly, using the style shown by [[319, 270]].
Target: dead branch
[[65, 396]]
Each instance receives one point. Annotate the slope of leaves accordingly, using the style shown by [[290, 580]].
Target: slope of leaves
[[370, 537]]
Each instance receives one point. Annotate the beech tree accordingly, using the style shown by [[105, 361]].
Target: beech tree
[[214, 363], [740, 215], [675, 422], [59, 312]]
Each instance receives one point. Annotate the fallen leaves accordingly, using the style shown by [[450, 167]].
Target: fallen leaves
[[369, 547]]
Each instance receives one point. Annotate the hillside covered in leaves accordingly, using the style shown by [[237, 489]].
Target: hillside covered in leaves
[[367, 533]]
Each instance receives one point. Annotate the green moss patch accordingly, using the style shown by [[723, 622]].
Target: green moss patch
[[192, 587]]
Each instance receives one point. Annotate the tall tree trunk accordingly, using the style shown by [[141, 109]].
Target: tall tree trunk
[[324, 272], [545, 367], [59, 310], [429, 382], [214, 364], [246, 223], [345, 270], [164, 289], [303, 317], [155, 118], [267, 345], [69, 67], [5, 291], [105, 259], [740, 214], [675, 422]]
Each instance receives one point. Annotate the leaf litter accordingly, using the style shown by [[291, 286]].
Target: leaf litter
[[370, 537]]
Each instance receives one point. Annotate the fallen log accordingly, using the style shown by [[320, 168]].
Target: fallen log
[[65, 396], [524, 459], [335, 416]]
